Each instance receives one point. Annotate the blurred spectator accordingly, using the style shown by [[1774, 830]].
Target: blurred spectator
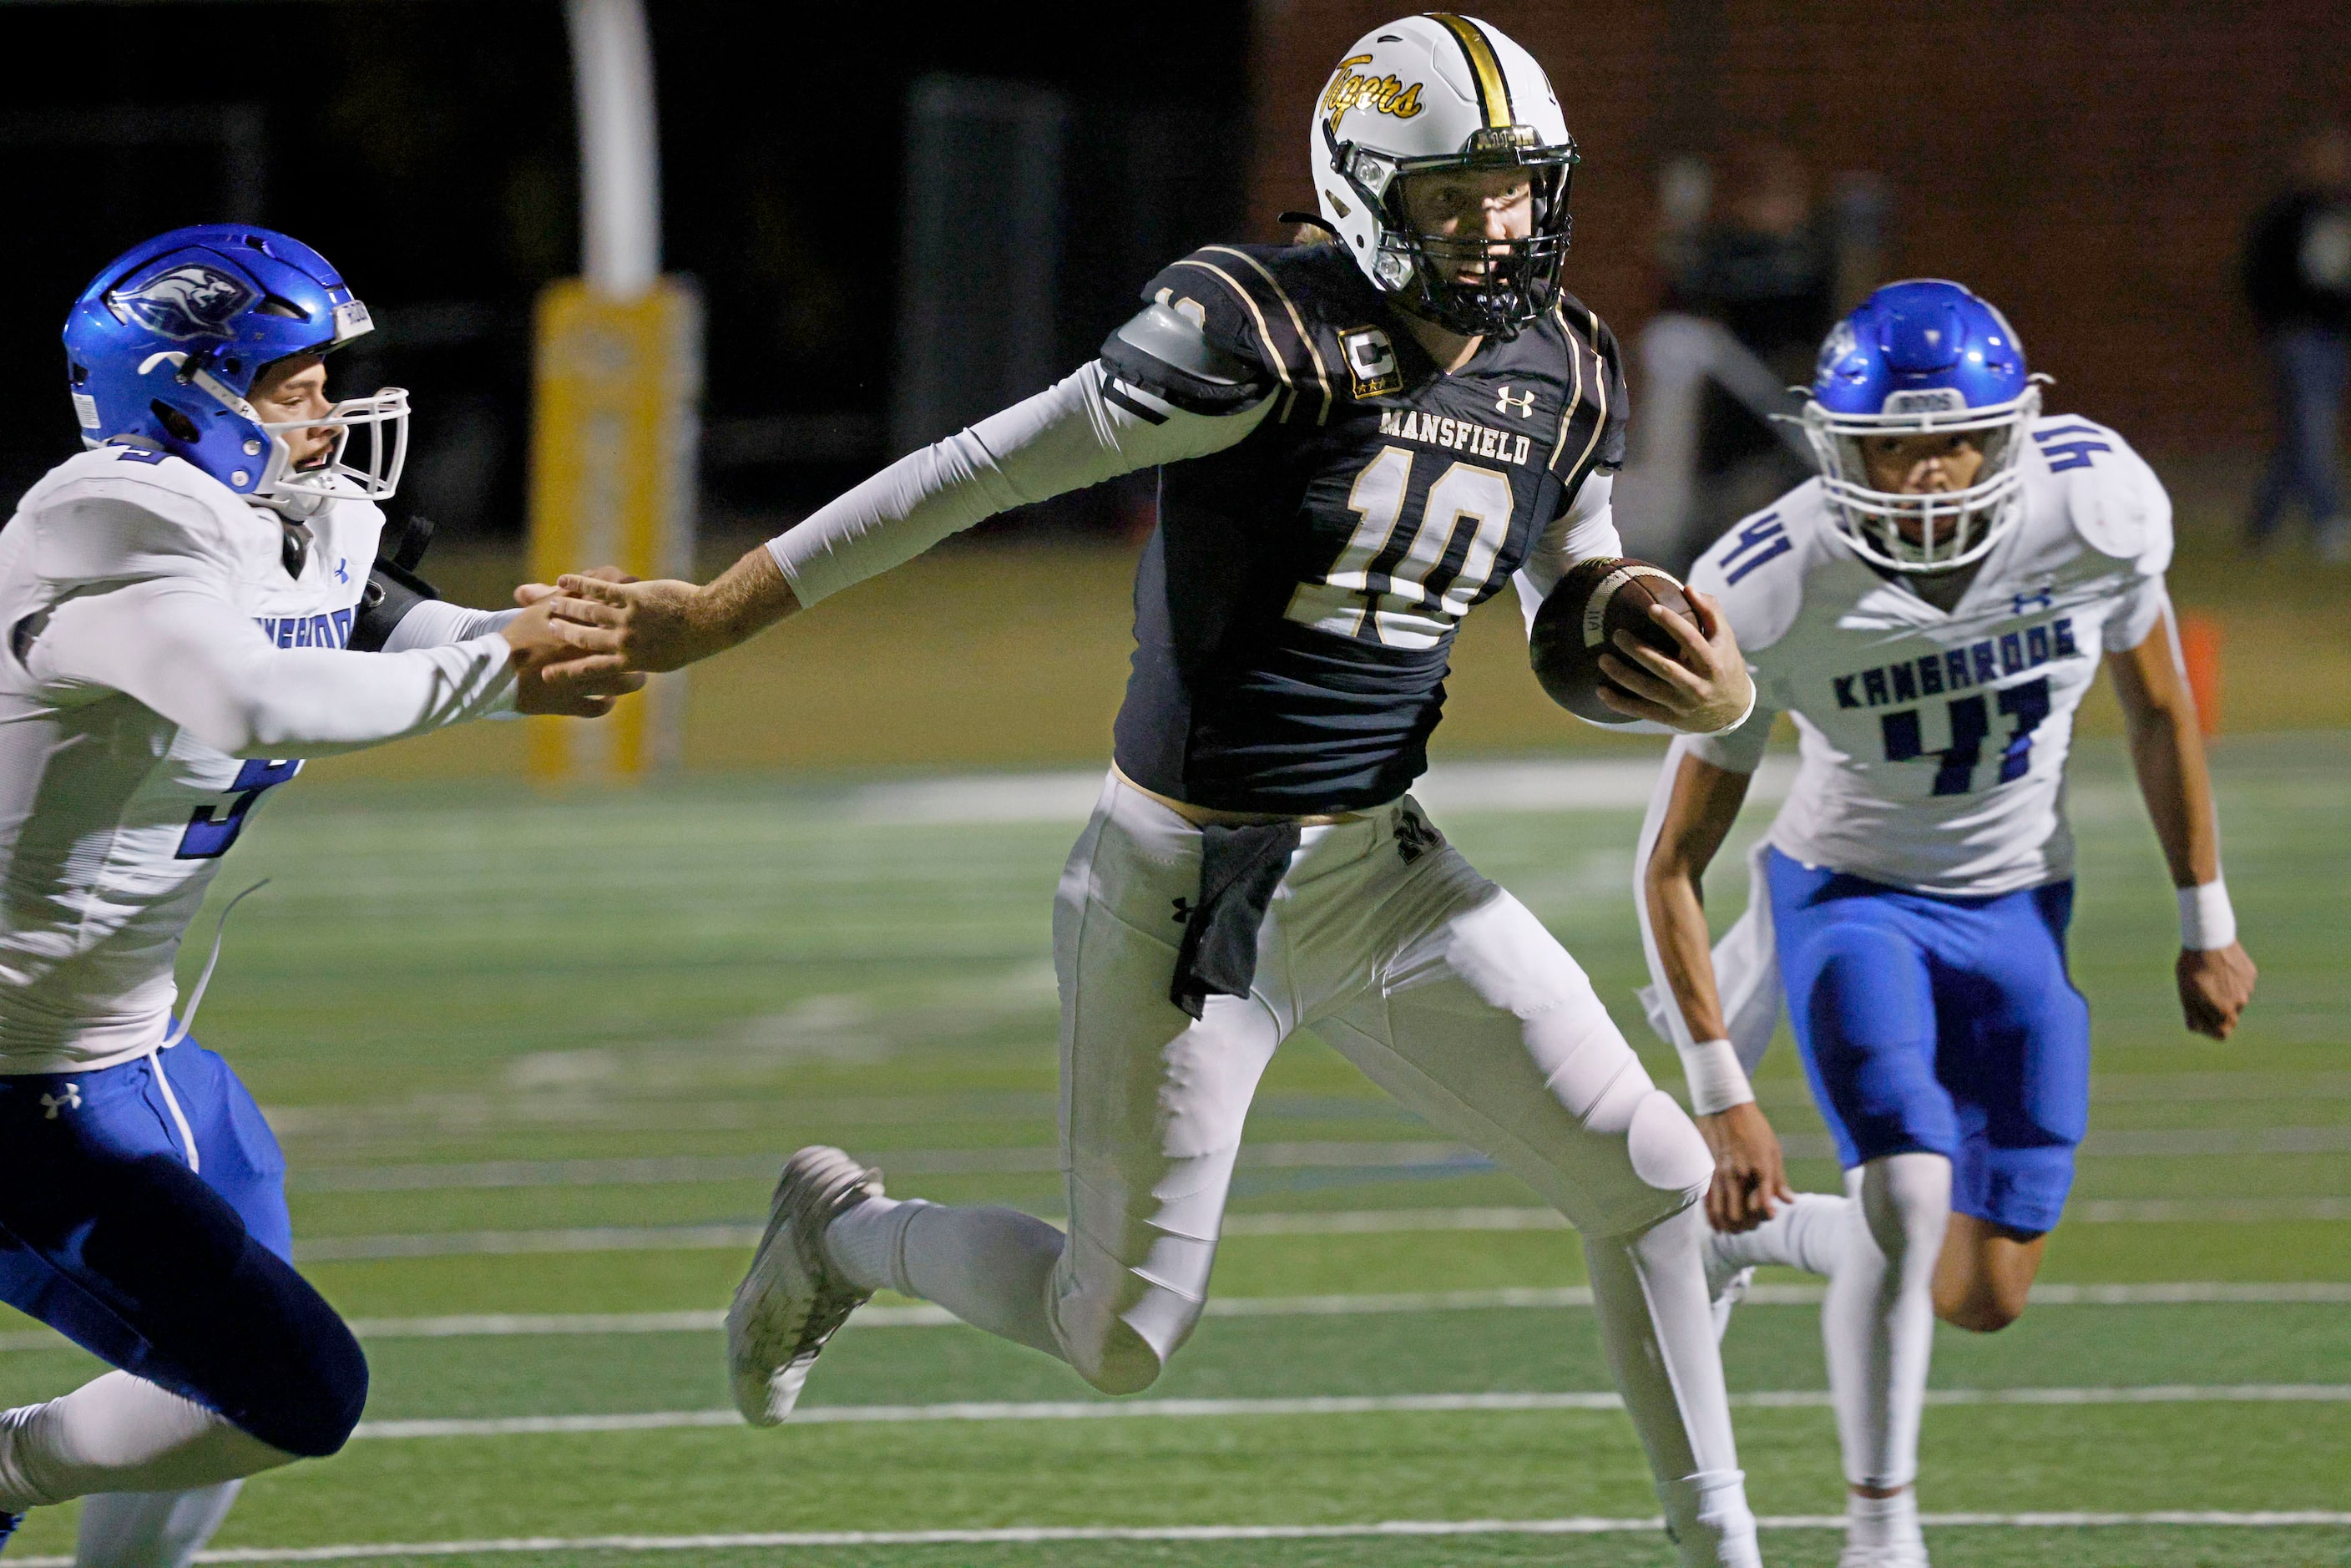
[[2297, 276], [1767, 271], [1748, 297]]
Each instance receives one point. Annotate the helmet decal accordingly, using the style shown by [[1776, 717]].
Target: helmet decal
[[1922, 358], [1432, 96], [190, 300], [1493, 87], [164, 346], [1349, 89]]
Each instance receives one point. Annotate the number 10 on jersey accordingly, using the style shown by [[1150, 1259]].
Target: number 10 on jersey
[[1405, 582]]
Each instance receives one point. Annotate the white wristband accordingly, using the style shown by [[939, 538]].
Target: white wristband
[[1716, 1082], [2206, 921], [1754, 694]]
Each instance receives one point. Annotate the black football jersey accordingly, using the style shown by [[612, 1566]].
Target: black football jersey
[[1296, 604]]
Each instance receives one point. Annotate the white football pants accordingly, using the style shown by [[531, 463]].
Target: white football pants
[[1442, 989]]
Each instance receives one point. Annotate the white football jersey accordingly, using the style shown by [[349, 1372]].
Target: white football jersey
[[1933, 746], [112, 817]]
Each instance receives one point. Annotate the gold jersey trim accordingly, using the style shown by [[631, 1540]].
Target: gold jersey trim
[[1297, 322]]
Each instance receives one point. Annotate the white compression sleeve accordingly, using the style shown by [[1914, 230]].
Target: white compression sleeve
[[1877, 1321], [436, 624], [184, 649], [1585, 532], [1648, 1290], [1065, 438], [121, 1433], [151, 1529]]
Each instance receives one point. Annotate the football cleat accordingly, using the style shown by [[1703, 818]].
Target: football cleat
[[8, 1523], [793, 1299]]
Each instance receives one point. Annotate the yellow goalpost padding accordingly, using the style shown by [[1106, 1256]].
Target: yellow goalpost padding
[[618, 385]]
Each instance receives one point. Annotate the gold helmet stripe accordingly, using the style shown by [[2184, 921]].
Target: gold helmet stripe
[[1493, 87]]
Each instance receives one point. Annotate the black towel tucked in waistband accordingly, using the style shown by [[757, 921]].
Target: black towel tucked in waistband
[[1239, 869]]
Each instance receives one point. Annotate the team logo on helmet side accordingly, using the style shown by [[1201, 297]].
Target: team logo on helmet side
[[1842, 344], [1351, 88], [190, 300]]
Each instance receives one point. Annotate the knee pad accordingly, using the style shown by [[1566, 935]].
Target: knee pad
[[1668, 1152], [1106, 1350], [1657, 1167], [305, 1383]]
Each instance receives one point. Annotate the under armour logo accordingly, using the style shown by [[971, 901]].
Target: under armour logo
[[1183, 911], [2043, 597], [1415, 836], [1523, 405], [343, 569], [70, 1101]]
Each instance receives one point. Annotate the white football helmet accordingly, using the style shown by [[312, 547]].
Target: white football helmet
[[1441, 92]]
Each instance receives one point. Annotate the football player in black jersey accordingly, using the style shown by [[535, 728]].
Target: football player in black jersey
[[1358, 441]]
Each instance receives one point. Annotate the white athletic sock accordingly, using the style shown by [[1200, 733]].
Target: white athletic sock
[[1882, 1523], [990, 1267], [1649, 1293], [151, 1529], [1878, 1319], [1808, 1234], [864, 1242], [121, 1433]]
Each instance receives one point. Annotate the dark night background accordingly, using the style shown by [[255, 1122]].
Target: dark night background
[[427, 148]]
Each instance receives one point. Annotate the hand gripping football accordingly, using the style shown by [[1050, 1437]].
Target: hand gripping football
[[1579, 622]]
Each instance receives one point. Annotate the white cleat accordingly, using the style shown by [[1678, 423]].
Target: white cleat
[[1726, 1283], [793, 1299]]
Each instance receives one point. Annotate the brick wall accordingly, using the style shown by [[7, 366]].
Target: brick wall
[[2090, 166]]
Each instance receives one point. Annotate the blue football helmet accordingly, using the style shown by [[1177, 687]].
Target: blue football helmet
[[165, 343], [1918, 357]]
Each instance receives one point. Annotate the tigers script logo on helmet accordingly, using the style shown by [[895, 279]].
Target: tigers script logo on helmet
[[1442, 92]]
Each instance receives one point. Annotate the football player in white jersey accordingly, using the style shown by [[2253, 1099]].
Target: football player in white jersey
[[1358, 440], [1929, 611], [191, 606]]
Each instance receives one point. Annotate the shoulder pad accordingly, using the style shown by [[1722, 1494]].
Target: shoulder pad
[[391, 592], [1170, 356], [2113, 499], [1262, 305], [118, 514], [402, 544], [1757, 568]]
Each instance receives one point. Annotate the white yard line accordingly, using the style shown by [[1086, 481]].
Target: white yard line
[[501, 1325], [1336, 1222], [2175, 1143], [1615, 784], [1040, 1535], [1318, 1404]]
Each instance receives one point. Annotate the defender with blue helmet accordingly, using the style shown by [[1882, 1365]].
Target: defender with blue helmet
[[1930, 612], [1922, 357], [193, 605], [163, 347]]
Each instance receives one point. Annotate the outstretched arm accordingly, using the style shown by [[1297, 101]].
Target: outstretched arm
[[1092, 426], [182, 648], [2216, 978], [1702, 802]]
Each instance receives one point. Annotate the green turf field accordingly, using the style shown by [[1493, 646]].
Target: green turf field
[[533, 1059]]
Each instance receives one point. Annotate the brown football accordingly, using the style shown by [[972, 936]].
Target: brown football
[[1579, 622]]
